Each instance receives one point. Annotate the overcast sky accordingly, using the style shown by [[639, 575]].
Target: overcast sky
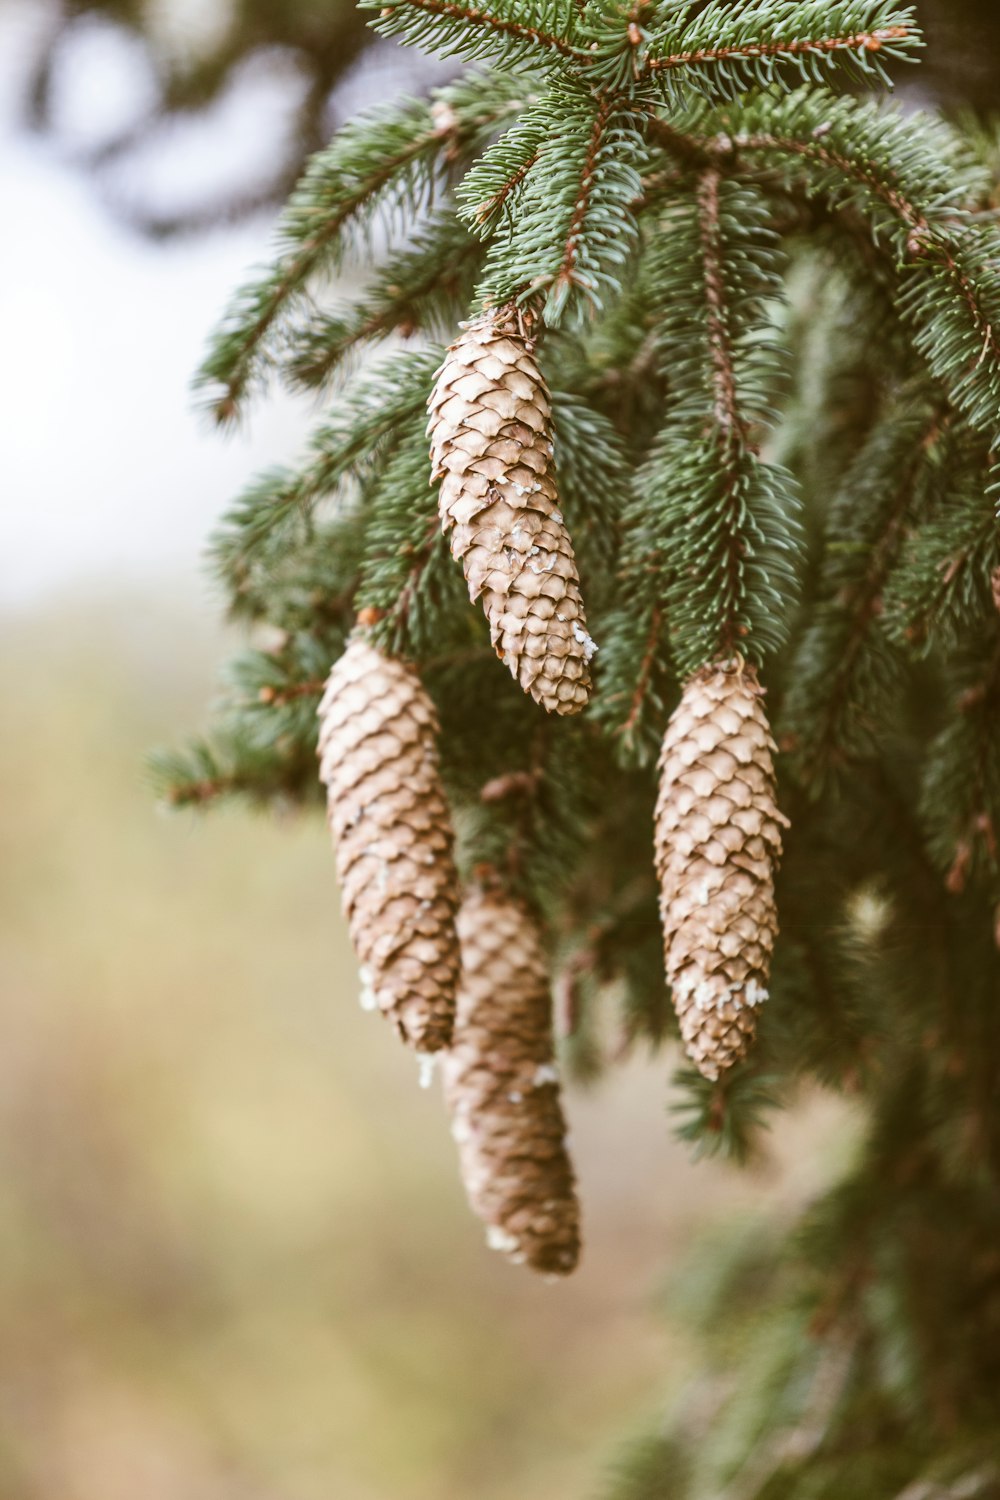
[[106, 468]]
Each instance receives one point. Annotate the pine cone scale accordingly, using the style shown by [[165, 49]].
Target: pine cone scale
[[718, 840], [393, 839], [491, 449], [502, 1090]]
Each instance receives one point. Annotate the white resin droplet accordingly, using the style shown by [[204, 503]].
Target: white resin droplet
[[426, 1063]]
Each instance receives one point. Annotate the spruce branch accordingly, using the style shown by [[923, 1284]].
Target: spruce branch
[[567, 274], [533, 33], [229, 767], [406, 579], [491, 209], [595, 481], [272, 526], [726, 1117], [645, 677], [725, 408], [729, 516], [720, 53], [637, 681], [416, 295], [915, 188], [492, 189], [575, 230], [845, 669], [944, 335], [961, 792], [641, 184], [942, 592], [389, 161]]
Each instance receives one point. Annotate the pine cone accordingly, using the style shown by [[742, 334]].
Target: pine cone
[[491, 446], [392, 830], [502, 1088], [718, 841]]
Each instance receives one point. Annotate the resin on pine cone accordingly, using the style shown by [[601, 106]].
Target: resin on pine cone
[[491, 446], [502, 1089], [718, 842], [393, 837]]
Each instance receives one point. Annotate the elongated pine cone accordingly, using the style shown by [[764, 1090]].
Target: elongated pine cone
[[393, 836], [502, 1089], [718, 842], [491, 446]]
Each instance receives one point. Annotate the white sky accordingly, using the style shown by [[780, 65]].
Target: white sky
[[106, 468]]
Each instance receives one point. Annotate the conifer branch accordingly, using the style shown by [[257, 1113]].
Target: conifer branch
[[948, 291], [233, 363], [468, 22], [731, 429], [493, 207], [731, 535], [566, 274], [689, 150], [418, 295], [727, 415], [843, 666], [627, 728], [961, 799], [942, 593], [390, 160], [574, 228], [720, 53], [861, 41], [858, 169], [924, 239], [689, 231], [863, 603]]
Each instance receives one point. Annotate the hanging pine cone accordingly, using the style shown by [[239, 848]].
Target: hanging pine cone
[[502, 1088], [718, 841], [390, 822], [491, 445]]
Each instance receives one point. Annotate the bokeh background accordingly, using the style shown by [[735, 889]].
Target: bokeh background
[[235, 1260]]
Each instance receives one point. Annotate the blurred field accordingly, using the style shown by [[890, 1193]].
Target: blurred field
[[235, 1262]]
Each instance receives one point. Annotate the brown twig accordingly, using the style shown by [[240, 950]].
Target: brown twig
[[280, 697], [726, 411], [566, 273], [731, 428], [645, 674], [491, 206]]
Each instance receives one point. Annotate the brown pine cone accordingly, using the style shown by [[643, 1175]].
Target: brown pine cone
[[718, 842], [491, 446], [393, 836], [502, 1088]]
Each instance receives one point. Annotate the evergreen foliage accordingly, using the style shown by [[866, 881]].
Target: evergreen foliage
[[194, 68], [768, 313]]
